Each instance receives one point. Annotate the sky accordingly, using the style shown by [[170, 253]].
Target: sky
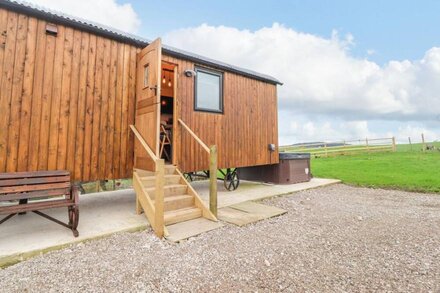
[[351, 69]]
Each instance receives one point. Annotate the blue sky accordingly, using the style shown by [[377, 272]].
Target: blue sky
[[395, 30]]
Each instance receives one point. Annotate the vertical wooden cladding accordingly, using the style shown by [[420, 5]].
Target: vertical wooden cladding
[[66, 101], [242, 133]]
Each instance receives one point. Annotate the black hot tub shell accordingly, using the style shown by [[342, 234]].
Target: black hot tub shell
[[292, 168]]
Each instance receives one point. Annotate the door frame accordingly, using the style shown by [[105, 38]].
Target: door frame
[[176, 116], [175, 138]]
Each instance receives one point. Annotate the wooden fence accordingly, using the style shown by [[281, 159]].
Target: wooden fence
[[327, 149]]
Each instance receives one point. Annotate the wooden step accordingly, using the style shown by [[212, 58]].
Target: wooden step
[[177, 202], [168, 190], [143, 173], [181, 215], [150, 181], [170, 169]]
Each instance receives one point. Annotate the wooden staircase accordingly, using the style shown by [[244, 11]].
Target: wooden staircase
[[180, 201], [163, 194]]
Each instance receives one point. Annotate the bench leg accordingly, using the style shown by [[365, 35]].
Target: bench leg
[[74, 220], [22, 201], [6, 218]]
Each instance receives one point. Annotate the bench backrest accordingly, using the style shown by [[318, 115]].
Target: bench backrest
[[38, 184]]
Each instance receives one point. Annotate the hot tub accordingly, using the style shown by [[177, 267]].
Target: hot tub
[[292, 168]]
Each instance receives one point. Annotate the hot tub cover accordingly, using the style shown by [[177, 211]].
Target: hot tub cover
[[294, 156]]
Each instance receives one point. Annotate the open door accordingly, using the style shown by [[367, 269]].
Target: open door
[[147, 120]]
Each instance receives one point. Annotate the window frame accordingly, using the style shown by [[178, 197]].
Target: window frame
[[219, 74]]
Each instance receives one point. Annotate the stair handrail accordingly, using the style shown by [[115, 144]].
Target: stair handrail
[[159, 171], [204, 146], [144, 143], [212, 152]]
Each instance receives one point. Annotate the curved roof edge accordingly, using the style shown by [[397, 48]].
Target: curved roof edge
[[105, 31]]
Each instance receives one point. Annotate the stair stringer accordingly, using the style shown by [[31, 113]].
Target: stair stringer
[[144, 202], [206, 213]]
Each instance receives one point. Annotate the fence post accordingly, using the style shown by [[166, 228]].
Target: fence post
[[159, 198], [213, 179], [410, 144], [366, 143], [394, 143], [423, 142]]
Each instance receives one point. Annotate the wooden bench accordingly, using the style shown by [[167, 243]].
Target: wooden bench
[[22, 192]]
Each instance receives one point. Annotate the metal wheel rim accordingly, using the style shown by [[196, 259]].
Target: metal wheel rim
[[188, 177], [231, 181]]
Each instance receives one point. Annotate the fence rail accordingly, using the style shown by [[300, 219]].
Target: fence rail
[[327, 149]]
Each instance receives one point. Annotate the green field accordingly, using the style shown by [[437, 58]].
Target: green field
[[408, 169]]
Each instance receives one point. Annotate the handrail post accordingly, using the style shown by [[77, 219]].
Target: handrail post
[[213, 180], [159, 198]]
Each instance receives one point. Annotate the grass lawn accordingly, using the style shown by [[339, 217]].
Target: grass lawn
[[407, 169]]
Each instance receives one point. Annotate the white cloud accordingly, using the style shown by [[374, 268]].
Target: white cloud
[[107, 12], [415, 132], [322, 79], [303, 129]]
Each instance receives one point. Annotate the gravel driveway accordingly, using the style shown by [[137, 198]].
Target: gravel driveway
[[338, 238]]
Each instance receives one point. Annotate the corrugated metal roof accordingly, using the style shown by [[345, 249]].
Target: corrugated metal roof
[[61, 18]]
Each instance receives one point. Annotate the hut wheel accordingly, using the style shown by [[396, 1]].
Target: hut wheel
[[231, 180], [188, 176]]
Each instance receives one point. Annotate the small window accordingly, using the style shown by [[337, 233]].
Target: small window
[[145, 76], [208, 91]]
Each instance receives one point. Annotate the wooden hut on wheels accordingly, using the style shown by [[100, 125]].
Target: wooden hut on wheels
[[103, 104]]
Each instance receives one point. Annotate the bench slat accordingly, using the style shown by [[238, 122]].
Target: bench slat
[[34, 180], [35, 206], [22, 192], [35, 194], [24, 188], [33, 174]]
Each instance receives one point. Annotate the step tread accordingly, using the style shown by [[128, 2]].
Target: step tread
[[167, 186], [182, 211], [180, 215], [176, 197], [176, 202], [154, 176]]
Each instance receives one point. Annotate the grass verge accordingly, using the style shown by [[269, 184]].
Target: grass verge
[[408, 169]]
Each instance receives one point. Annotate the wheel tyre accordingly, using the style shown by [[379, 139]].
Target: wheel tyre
[[188, 177], [231, 181]]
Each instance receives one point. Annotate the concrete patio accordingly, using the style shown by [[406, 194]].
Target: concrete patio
[[105, 213], [256, 191]]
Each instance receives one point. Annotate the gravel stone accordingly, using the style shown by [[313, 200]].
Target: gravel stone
[[338, 238]]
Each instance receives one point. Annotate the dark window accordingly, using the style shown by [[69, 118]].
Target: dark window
[[208, 91], [146, 75]]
